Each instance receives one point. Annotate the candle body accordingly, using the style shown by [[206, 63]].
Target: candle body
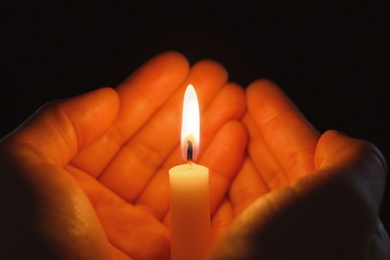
[[190, 212]]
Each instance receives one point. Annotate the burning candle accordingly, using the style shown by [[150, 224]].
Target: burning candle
[[189, 191]]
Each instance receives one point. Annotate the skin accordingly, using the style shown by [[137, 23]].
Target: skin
[[299, 194], [88, 175]]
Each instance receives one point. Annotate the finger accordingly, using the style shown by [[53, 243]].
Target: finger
[[246, 187], [139, 159], [288, 135], [264, 162], [60, 129], [148, 89], [227, 105], [141, 95], [221, 220], [357, 157], [223, 157]]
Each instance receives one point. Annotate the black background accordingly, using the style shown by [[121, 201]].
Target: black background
[[331, 58]]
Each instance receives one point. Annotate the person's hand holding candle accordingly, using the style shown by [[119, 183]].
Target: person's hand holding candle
[[95, 167], [299, 194], [87, 177]]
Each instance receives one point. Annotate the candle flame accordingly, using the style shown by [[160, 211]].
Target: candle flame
[[190, 124]]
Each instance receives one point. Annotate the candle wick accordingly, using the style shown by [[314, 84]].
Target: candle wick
[[189, 150]]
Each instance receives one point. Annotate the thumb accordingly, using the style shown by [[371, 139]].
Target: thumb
[[43, 205], [59, 129], [329, 214], [360, 158]]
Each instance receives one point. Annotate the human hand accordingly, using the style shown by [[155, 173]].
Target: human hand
[[87, 177], [76, 159], [299, 195]]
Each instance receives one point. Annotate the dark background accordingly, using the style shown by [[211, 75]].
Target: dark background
[[331, 58]]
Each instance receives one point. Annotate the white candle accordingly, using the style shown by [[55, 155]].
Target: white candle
[[189, 191]]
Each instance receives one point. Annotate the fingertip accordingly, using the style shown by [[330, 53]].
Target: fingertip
[[169, 66], [252, 95], [237, 90], [211, 68], [262, 89], [329, 139], [175, 58], [265, 100], [336, 148], [170, 56], [235, 98], [259, 84], [107, 97]]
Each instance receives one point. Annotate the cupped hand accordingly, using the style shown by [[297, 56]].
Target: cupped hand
[[87, 177], [299, 194], [94, 168]]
